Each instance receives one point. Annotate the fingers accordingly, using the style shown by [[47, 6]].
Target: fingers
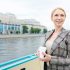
[[43, 53], [37, 54], [40, 59]]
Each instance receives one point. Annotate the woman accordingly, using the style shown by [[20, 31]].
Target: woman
[[57, 43]]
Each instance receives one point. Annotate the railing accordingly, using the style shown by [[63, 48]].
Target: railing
[[15, 62]]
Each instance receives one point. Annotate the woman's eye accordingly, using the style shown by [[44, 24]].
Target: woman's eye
[[62, 15], [56, 14]]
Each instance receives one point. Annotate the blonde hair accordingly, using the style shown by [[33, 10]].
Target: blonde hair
[[59, 9]]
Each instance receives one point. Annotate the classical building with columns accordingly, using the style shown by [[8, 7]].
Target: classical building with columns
[[9, 24]]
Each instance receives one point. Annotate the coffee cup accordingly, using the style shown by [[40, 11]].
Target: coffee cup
[[41, 50]]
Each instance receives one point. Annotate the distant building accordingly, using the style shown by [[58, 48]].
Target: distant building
[[7, 18], [9, 24]]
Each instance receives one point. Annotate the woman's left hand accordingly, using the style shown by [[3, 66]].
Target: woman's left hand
[[47, 57]]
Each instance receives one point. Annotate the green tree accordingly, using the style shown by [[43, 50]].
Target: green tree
[[44, 30], [0, 21], [17, 32], [35, 30], [32, 30], [25, 29]]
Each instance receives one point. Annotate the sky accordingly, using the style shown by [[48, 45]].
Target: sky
[[39, 10]]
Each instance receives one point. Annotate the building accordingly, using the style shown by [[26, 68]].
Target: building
[[9, 24]]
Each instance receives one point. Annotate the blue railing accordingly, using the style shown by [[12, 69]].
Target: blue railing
[[15, 62]]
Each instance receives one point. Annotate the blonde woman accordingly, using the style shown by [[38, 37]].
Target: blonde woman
[[57, 44]]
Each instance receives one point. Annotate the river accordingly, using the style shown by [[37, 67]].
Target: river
[[11, 48]]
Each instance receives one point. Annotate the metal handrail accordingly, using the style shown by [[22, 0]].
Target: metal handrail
[[15, 62]]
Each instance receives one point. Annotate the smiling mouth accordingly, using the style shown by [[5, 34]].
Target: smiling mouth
[[59, 21]]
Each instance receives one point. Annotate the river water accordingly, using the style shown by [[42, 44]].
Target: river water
[[12, 48]]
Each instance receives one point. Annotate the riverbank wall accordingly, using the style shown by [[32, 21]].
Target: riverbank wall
[[21, 36]]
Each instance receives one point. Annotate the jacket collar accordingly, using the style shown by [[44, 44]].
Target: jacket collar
[[59, 38], [51, 32]]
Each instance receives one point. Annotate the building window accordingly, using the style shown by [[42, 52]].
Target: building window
[[1, 28]]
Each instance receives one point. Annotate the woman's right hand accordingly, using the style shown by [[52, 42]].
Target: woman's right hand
[[47, 57]]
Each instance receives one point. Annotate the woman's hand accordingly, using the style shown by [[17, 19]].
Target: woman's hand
[[47, 57]]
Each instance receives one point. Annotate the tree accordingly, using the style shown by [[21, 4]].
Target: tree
[[44, 30], [0, 21], [25, 29], [35, 30], [32, 30], [17, 32]]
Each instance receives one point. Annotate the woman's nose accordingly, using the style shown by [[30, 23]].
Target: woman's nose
[[59, 17]]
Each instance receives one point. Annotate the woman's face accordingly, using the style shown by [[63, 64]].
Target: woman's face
[[58, 17]]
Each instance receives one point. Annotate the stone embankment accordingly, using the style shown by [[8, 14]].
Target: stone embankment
[[21, 35]]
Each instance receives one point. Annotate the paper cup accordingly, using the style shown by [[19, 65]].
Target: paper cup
[[41, 50]]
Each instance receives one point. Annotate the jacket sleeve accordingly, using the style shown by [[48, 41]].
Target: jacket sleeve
[[61, 60]]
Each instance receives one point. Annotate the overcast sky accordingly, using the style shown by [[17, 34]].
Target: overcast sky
[[36, 9]]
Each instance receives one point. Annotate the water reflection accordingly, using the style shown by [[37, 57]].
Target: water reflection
[[18, 47]]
